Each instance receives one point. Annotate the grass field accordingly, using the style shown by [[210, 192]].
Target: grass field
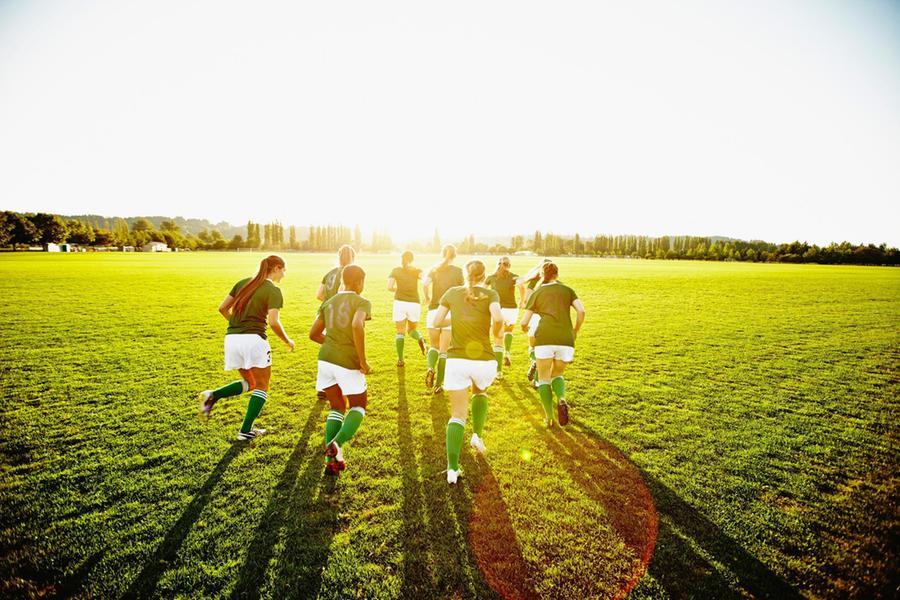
[[738, 422]]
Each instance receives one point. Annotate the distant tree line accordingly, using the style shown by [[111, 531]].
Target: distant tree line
[[22, 230]]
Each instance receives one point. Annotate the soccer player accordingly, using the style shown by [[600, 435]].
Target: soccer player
[[503, 281], [440, 279], [331, 283], [530, 281], [251, 304], [555, 338], [340, 329], [404, 282], [470, 361]]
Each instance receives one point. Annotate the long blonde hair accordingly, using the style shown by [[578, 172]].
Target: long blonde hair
[[474, 276], [242, 299]]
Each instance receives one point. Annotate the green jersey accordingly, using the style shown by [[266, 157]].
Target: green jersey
[[505, 288], [332, 282], [407, 279], [471, 323], [337, 312], [254, 318], [442, 279], [553, 301]]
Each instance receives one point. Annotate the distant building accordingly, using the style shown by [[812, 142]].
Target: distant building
[[52, 247], [155, 247], [127, 248], [67, 248], [524, 253]]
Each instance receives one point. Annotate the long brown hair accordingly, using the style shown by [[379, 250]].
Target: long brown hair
[[406, 258], [474, 276], [502, 271], [346, 255], [550, 271], [449, 253], [242, 299]]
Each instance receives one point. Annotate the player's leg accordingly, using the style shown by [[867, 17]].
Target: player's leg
[[413, 332], [456, 431], [545, 374], [442, 360], [558, 384], [433, 356], [507, 343], [482, 379], [258, 398], [208, 398], [353, 385], [399, 339]]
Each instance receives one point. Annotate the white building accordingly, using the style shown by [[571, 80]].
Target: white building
[[155, 247]]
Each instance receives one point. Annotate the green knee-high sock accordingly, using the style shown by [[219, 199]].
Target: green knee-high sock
[[456, 429], [546, 398], [559, 387], [414, 334], [333, 423], [498, 356], [254, 407], [442, 366], [479, 413], [399, 342], [433, 355], [352, 420], [531, 353], [507, 342], [232, 389]]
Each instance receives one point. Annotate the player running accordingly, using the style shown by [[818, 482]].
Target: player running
[[503, 281], [555, 338], [251, 304], [340, 329], [531, 281], [440, 279], [470, 361], [331, 283], [404, 282]]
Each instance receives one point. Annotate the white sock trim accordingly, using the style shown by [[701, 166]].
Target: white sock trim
[[260, 393], [543, 383], [245, 386], [458, 421], [442, 355], [359, 409]]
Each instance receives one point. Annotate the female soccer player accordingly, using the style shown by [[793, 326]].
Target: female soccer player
[[530, 281], [555, 338], [470, 360], [331, 283], [340, 329], [404, 282], [440, 279], [247, 308], [503, 281]]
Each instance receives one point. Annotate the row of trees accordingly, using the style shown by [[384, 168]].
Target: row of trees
[[29, 229]]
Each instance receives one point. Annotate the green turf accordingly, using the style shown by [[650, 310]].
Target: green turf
[[756, 404]]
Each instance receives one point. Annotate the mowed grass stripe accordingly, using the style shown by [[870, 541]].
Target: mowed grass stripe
[[758, 401]]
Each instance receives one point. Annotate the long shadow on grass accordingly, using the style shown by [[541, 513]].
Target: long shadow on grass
[[308, 523], [686, 542], [159, 562], [444, 555]]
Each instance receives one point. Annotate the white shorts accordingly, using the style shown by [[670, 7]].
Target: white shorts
[[563, 353], [351, 381], [247, 351], [510, 315], [533, 324], [407, 311], [429, 320], [463, 372]]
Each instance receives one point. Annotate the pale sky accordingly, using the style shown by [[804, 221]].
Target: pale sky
[[770, 119]]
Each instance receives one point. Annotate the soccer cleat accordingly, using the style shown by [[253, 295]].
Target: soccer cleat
[[477, 443], [562, 412], [422, 345], [429, 378], [438, 390], [332, 450], [532, 370], [334, 468], [206, 403], [452, 476], [507, 362], [401, 364], [250, 435]]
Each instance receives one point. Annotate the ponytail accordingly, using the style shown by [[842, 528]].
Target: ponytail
[[406, 258], [449, 253], [474, 276], [502, 271], [549, 271], [242, 299]]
